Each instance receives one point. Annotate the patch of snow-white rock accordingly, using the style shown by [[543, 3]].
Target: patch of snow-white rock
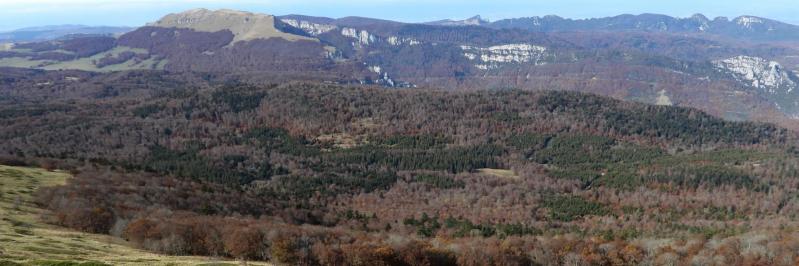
[[748, 22], [758, 72], [376, 69], [384, 79], [495, 56], [363, 37], [397, 41], [536, 21], [310, 27]]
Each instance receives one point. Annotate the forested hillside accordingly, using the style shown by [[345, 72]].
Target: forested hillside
[[319, 174]]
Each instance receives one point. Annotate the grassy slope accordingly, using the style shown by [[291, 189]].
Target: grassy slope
[[21, 62], [85, 63], [25, 239]]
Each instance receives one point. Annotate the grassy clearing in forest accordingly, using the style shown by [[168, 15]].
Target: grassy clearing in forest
[[498, 172]]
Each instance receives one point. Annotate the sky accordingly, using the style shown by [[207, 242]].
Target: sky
[[26, 13]]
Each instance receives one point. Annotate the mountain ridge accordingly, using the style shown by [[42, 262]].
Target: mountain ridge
[[745, 26]]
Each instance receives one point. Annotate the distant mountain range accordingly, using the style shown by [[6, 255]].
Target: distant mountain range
[[45, 33], [746, 27], [739, 69], [473, 21]]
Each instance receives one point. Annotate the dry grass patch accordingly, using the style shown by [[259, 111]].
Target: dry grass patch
[[505, 173]]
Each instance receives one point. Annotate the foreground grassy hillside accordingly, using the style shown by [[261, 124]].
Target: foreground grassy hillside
[[25, 240]]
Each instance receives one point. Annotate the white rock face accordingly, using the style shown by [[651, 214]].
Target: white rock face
[[758, 72], [388, 80], [384, 79], [376, 69], [495, 56], [536, 21], [310, 27], [397, 41], [363, 37], [748, 21], [704, 23]]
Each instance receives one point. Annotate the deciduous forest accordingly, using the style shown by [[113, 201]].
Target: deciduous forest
[[306, 173]]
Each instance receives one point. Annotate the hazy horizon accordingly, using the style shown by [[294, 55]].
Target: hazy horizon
[[34, 13]]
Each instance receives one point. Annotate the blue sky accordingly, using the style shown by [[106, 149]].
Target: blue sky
[[24, 13]]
